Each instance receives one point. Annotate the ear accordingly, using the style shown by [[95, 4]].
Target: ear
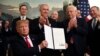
[[76, 12]]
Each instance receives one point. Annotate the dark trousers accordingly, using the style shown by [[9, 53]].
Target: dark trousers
[[3, 49], [71, 51], [50, 52]]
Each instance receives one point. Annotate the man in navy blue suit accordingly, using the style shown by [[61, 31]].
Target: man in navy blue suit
[[24, 44]]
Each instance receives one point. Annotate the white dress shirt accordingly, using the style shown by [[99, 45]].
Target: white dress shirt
[[29, 40], [94, 22], [23, 17]]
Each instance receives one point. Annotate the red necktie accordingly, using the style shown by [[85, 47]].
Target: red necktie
[[27, 42]]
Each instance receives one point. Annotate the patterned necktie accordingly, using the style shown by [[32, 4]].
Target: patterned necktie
[[27, 42]]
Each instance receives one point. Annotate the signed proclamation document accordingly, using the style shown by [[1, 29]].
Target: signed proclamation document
[[55, 37]]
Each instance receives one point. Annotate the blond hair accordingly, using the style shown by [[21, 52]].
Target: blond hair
[[21, 21]]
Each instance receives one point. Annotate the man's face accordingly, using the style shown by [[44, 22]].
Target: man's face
[[78, 13], [94, 12], [23, 10], [54, 15], [7, 24], [71, 12], [44, 10], [23, 29]]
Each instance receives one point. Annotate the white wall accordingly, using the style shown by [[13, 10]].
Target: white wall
[[94, 3]]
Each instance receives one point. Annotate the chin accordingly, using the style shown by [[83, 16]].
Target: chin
[[25, 34]]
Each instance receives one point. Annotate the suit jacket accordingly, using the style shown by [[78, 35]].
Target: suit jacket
[[19, 47], [6, 33], [92, 33], [14, 24], [93, 37], [36, 30], [79, 36], [35, 26], [4, 45]]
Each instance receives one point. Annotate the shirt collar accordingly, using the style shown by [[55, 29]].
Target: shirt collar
[[23, 17], [26, 36]]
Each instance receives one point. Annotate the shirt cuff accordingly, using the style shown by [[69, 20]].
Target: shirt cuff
[[39, 48], [68, 29], [40, 26]]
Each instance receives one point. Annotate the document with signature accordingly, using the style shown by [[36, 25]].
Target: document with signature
[[55, 37]]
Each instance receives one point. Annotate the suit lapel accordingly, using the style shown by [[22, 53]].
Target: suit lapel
[[90, 25], [97, 25], [22, 41], [32, 39]]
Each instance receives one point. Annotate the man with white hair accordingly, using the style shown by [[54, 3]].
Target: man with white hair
[[75, 31], [38, 28], [54, 15], [43, 19]]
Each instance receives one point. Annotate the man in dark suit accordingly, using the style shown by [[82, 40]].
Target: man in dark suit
[[94, 30], [6, 33], [24, 44], [6, 30], [2, 49], [23, 12], [43, 19], [75, 31], [38, 28]]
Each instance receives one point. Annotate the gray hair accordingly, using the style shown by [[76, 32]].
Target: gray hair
[[41, 5], [71, 6]]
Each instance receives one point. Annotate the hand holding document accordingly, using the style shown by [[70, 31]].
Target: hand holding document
[[55, 37]]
